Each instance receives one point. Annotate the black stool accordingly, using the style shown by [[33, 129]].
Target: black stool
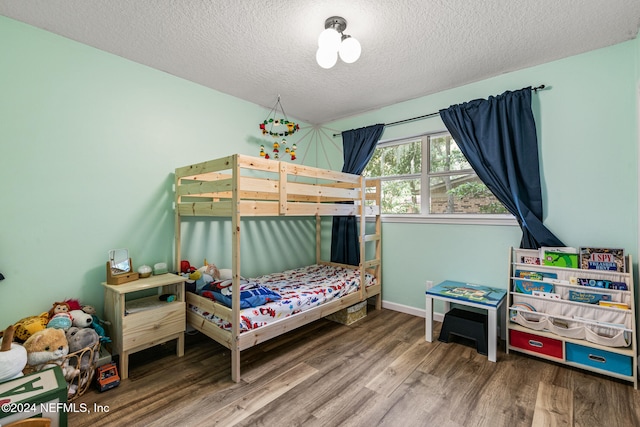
[[466, 324]]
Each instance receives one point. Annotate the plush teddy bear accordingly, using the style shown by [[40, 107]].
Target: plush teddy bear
[[13, 356], [81, 319], [47, 348], [30, 325]]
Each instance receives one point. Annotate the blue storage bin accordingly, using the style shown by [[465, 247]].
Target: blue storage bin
[[600, 359]]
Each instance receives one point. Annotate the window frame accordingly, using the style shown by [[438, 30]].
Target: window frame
[[424, 177]]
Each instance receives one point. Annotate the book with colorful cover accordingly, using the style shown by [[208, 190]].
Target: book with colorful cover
[[528, 287], [588, 297], [610, 259], [535, 275], [621, 305], [560, 259], [599, 283]]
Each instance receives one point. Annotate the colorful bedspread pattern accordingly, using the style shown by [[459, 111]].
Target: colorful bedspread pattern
[[301, 289]]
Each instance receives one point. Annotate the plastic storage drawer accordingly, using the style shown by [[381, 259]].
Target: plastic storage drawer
[[600, 359], [536, 343]]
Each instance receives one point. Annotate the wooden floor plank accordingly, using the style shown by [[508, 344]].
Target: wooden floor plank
[[243, 407], [378, 371], [397, 372], [554, 407]]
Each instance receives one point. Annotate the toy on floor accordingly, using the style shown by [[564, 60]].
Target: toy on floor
[[13, 356], [107, 377]]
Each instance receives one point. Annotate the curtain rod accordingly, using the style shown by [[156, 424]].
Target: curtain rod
[[426, 116]]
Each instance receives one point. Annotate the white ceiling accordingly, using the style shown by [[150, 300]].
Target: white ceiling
[[259, 49]]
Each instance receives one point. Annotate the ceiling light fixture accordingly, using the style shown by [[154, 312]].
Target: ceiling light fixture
[[333, 43]]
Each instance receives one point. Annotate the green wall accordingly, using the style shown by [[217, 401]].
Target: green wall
[[89, 141], [588, 141], [88, 145]]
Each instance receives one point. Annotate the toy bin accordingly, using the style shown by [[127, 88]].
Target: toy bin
[[77, 384], [350, 315]]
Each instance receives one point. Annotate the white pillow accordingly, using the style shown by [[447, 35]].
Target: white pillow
[[226, 274]]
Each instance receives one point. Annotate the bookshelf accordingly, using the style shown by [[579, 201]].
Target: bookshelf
[[553, 314]]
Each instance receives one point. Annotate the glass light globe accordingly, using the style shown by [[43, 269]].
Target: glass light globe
[[326, 58], [329, 39], [350, 50]]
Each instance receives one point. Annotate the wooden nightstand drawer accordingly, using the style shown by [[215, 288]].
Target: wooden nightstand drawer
[[150, 326], [536, 343]]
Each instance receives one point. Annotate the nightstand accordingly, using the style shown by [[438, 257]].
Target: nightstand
[[138, 321]]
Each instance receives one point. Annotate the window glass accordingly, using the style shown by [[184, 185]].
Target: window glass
[[448, 185]]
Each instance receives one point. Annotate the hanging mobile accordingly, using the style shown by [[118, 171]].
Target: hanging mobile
[[271, 122]]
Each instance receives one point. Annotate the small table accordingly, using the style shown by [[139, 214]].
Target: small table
[[478, 296], [141, 322]]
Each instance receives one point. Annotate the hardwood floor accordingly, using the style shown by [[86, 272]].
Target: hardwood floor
[[378, 371]]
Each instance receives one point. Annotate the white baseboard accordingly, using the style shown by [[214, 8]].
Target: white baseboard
[[438, 317]]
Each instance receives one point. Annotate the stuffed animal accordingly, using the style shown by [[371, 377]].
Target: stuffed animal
[[74, 304], [13, 356], [97, 323], [186, 267], [46, 348], [211, 270], [59, 307], [81, 340], [78, 339], [81, 319], [60, 321], [29, 326]]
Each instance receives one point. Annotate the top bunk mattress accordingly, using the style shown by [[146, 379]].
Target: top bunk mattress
[[298, 290]]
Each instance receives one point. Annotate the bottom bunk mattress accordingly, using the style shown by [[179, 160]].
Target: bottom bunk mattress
[[287, 293]]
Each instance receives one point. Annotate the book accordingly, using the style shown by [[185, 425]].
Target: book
[[527, 286], [559, 257], [621, 305], [588, 297], [599, 283], [535, 275], [532, 260], [549, 295], [613, 304], [610, 259]]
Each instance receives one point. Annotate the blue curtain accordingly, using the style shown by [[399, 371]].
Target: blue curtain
[[498, 138], [358, 146]]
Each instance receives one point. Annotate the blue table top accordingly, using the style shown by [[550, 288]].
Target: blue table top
[[478, 294]]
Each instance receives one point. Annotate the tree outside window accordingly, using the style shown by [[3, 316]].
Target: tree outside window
[[447, 185]]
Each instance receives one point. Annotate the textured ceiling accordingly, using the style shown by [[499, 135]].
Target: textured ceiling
[[259, 49]]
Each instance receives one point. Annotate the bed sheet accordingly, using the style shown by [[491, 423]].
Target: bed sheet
[[301, 289]]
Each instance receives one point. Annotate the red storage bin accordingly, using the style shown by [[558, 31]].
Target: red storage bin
[[536, 344]]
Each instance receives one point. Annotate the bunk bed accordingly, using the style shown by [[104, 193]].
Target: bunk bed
[[240, 186]]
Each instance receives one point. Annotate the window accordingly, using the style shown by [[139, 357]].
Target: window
[[427, 176]]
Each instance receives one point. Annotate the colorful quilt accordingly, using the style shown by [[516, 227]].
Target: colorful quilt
[[299, 289]]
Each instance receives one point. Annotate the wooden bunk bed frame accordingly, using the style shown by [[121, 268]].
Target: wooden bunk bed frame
[[240, 186]]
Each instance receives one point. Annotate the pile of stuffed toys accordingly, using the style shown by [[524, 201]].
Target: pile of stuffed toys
[[59, 337]]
